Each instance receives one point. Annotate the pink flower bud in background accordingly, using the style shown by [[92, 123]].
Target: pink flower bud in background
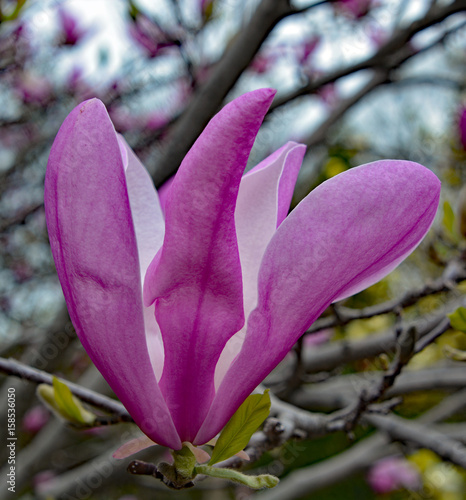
[[42, 480], [329, 94], [71, 32], [353, 8], [15, 43], [33, 89], [393, 473], [315, 339], [263, 62], [77, 85], [462, 126], [35, 418], [124, 120], [149, 36], [308, 49], [376, 34], [155, 121]]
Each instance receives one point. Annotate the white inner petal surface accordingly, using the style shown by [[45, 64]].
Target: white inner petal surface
[[256, 222], [149, 227]]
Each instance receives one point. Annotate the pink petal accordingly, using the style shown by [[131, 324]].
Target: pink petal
[[263, 202], [201, 455], [196, 278], [163, 192], [133, 446], [149, 227], [94, 246], [243, 455], [347, 232]]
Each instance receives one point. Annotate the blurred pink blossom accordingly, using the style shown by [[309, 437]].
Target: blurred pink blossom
[[328, 94], [462, 126], [202, 73], [263, 62], [22, 271], [75, 78], [15, 137], [35, 418], [124, 120], [43, 479], [155, 121], [148, 35], [33, 89], [71, 32], [95, 431], [15, 44], [353, 8], [318, 338], [308, 49], [376, 34], [77, 85], [393, 473]]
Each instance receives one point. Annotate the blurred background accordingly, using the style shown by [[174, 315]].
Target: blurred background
[[357, 81]]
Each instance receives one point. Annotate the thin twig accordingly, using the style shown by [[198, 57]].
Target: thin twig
[[400, 429], [455, 273], [18, 369]]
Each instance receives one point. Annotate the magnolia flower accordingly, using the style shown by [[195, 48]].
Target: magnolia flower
[[185, 314]]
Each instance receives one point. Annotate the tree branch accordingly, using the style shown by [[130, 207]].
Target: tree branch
[[356, 459], [455, 272], [210, 95], [18, 369], [406, 431], [340, 391], [389, 56]]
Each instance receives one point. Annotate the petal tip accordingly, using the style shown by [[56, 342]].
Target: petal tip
[[265, 95], [93, 107]]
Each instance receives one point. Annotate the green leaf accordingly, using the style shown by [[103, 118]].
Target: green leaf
[[46, 395], [448, 216], [70, 404], [132, 9], [254, 482], [241, 426], [17, 10], [62, 402], [458, 319], [208, 11]]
